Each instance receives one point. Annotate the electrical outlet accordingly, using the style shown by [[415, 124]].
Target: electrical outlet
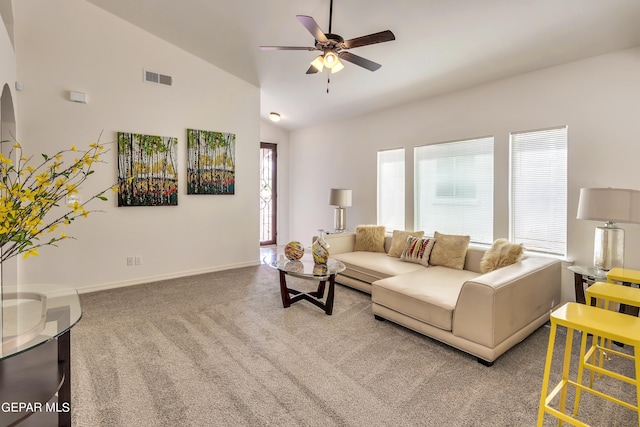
[[129, 260], [138, 260]]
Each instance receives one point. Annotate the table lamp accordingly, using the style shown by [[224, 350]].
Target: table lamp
[[610, 205], [340, 198]]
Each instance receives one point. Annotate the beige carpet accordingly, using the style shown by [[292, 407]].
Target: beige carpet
[[219, 350]]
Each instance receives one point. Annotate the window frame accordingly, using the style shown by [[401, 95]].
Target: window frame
[[401, 192], [560, 211]]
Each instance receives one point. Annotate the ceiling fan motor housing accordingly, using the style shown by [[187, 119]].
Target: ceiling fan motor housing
[[334, 42]]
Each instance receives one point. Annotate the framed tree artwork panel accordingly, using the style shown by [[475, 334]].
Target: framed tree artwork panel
[[211, 164], [147, 170]]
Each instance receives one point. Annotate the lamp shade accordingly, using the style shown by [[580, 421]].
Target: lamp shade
[[340, 197], [609, 204]]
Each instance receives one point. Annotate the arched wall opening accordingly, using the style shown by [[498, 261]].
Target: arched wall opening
[[9, 268]]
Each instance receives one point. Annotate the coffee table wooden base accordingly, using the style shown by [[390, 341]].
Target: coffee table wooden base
[[314, 298]]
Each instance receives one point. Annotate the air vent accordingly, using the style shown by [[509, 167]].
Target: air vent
[[153, 77]]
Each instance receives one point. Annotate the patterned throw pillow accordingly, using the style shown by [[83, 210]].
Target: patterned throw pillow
[[418, 250], [370, 238], [399, 239]]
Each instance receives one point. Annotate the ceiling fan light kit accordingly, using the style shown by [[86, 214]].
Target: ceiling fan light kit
[[334, 47]]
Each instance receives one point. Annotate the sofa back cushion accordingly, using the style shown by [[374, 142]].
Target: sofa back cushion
[[473, 259]]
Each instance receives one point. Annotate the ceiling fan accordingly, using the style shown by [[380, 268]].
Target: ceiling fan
[[334, 47]]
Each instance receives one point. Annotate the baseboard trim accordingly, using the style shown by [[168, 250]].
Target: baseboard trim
[[149, 279]]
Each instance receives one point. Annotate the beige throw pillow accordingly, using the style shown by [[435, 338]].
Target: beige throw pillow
[[450, 250], [370, 238], [399, 239], [501, 254]]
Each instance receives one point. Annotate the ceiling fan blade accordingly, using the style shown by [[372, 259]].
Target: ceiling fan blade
[[312, 26], [358, 60], [312, 70], [381, 37], [286, 48]]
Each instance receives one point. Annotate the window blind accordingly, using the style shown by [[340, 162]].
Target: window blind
[[454, 188], [538, 195], [391, 189]]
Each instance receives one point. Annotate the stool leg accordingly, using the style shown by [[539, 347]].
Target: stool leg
[[595, 342], [605, 343], [545, 376], [565, 371], [583, 349], [636, 357]]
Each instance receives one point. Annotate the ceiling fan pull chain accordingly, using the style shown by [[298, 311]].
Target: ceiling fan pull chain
[[328, 81]]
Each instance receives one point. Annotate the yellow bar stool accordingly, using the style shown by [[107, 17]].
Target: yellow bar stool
[[600, 323], [623, 275], [606, 295]]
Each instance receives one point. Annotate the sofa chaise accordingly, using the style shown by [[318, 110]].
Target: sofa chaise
[[483, 314]]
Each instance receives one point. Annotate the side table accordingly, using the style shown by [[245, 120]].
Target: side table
[[583, 277], [35, 354]]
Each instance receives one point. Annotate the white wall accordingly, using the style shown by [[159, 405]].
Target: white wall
[[596, 98], [72, 45], [275, 135]]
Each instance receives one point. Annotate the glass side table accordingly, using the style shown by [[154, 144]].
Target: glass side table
[[305, 268], [35, 354], [584, 276]]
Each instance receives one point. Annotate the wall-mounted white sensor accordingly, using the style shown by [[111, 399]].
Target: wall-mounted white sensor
[[78, 97], [19, 86]]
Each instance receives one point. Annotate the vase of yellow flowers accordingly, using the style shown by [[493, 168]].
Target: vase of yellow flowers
[[38, 196]]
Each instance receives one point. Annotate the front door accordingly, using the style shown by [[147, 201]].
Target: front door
[[268, 196]]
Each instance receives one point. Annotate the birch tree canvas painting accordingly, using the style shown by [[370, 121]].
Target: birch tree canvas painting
[[211, 164], [147, 170]]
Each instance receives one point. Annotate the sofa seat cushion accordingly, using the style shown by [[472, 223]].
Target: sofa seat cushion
[[429, 295], [372, 266]]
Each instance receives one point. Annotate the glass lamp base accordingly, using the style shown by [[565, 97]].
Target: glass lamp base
[[608, 247], [340, 219]]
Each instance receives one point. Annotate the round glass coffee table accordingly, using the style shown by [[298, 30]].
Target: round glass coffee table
[[305, 268]]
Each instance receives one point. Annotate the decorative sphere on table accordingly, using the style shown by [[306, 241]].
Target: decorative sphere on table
[[294, 250]]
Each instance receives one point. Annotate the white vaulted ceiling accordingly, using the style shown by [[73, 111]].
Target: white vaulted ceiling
[[441, 45]]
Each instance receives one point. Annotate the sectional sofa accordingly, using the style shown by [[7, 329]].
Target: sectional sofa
[[483, 314]]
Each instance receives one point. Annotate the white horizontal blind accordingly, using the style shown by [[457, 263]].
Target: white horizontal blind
[[454, 188], [539, 190], [391, 189]]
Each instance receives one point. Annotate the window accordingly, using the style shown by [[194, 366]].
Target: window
[[391, 189], [454, 188], [538, 187]]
